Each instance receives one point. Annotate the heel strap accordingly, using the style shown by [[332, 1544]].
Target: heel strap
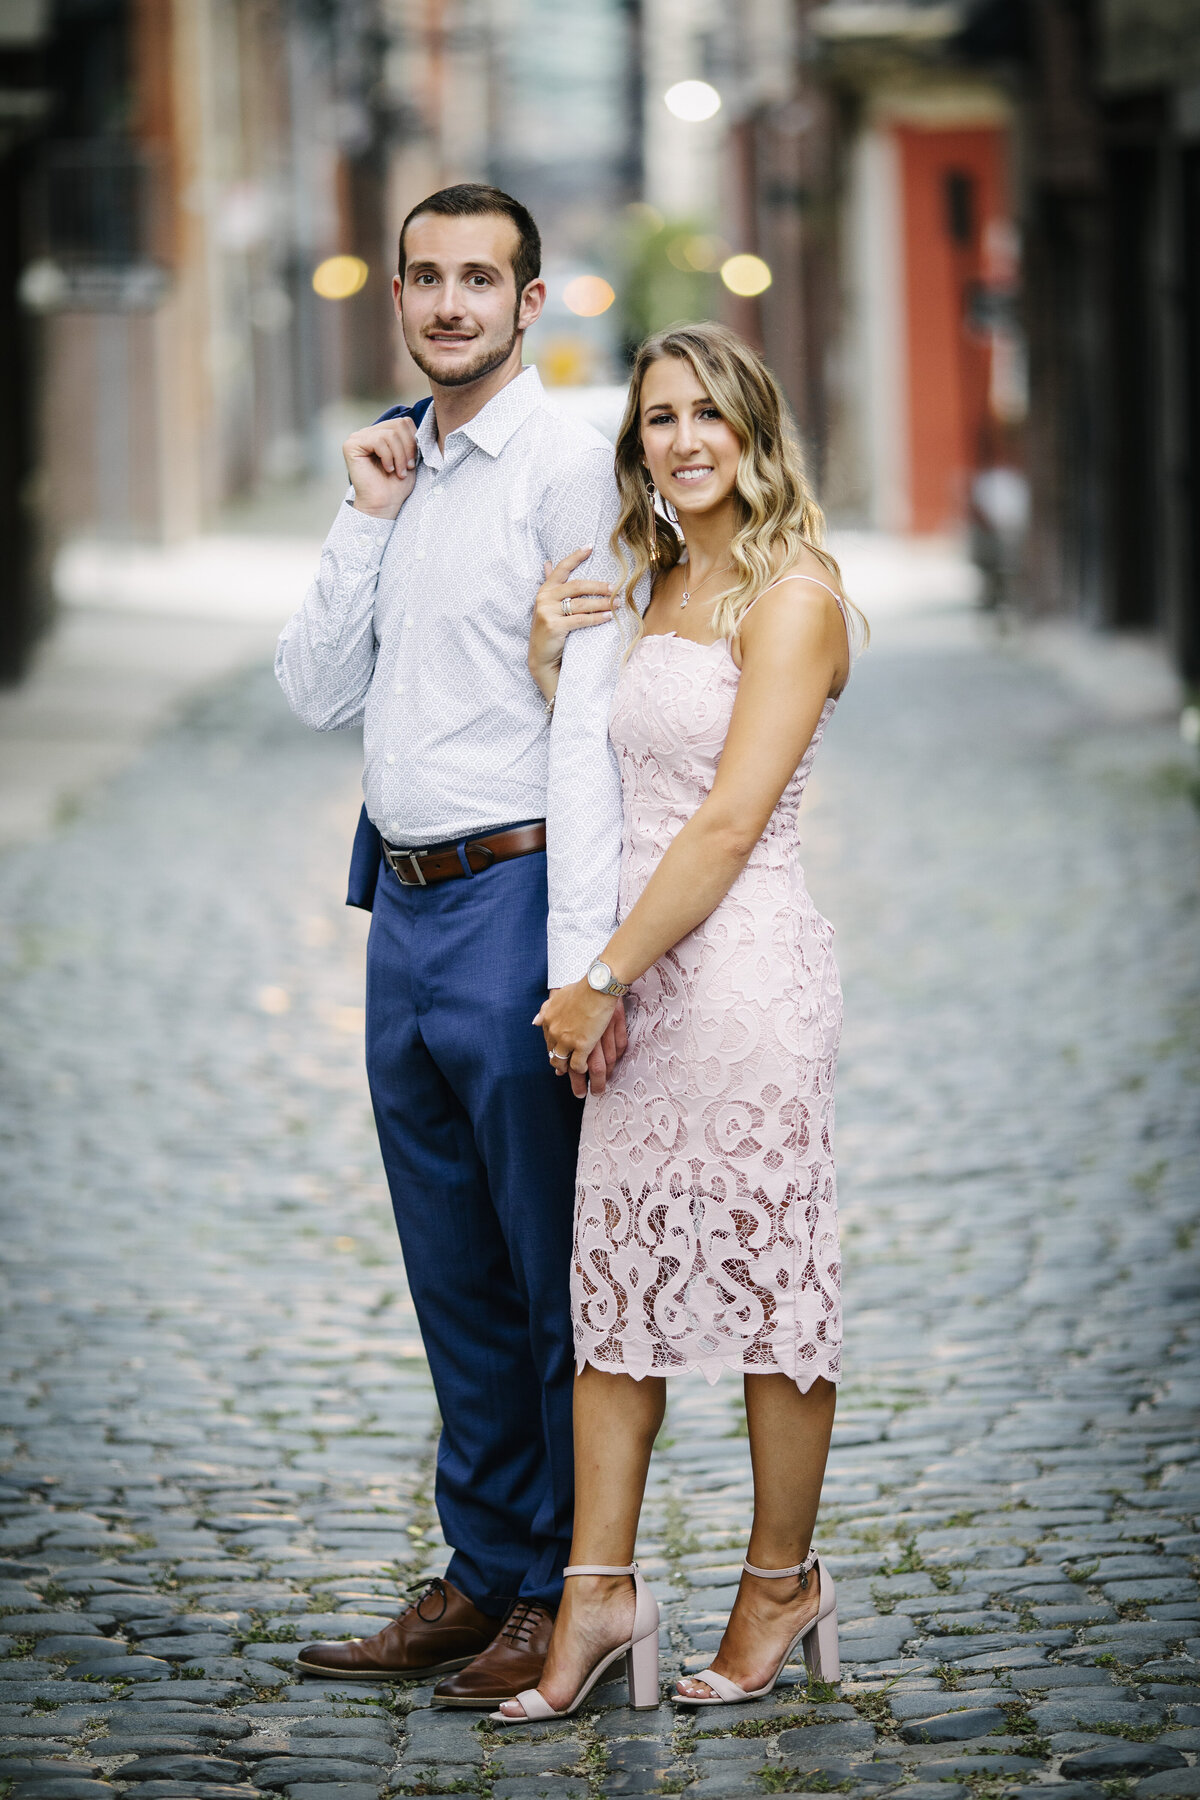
[[601, 1569], [803, 1569]]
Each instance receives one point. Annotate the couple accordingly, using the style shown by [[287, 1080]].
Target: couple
[[601, 809]]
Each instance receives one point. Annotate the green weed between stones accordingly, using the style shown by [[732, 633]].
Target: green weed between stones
[[910, 1562], [760, 1728], [21, 1649], [875, 1706], [428, 1781], [784, 1779], [1135, 1734], [1018, 1723], [260, 1634], [949, 1676]]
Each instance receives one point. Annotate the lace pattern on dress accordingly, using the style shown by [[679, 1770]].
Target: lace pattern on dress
[[706, 1214]]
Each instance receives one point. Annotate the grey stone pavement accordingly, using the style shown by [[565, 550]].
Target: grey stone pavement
[[217, 1429]]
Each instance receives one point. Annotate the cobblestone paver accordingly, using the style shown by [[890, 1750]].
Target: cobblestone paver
[[217, 1426]]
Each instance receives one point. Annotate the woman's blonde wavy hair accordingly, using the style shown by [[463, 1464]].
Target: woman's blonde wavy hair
[[777, 515]]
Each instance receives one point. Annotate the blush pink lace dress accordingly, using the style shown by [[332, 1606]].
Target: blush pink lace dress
[[706, 1210]]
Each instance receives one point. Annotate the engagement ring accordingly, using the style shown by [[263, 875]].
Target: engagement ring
[[559, 1056], [566, 606]]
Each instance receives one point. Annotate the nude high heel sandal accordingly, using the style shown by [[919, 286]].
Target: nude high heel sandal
[[819, 1638], [640, 1653]]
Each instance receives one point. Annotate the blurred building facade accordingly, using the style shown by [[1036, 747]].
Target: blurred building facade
[[1017, 184], [979, 222], [174, 177]]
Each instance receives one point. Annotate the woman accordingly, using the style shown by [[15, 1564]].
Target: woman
[[706, 1225]]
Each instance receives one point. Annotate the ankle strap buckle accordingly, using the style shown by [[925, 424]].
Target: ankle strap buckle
[[803, 1570]]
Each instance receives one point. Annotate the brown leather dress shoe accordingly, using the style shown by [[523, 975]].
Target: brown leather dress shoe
[[512, 1661], [439, 1632]]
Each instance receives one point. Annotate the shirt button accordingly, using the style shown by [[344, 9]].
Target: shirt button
[[408, 624], [399, 688], [418, 556], [389, 759]]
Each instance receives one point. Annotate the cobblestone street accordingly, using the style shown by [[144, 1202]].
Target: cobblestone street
[[217, 1427]]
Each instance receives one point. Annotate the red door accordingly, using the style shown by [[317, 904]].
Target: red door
[[957, 237]]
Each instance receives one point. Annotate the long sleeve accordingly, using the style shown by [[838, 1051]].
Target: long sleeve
[[326, 653], [583, 799]]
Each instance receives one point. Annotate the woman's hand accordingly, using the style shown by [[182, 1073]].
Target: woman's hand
[[573, 1021], [590, 604]]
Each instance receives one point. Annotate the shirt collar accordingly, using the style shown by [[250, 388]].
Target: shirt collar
[[494, 423]]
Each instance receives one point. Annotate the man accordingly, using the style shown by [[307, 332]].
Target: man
[[500, 854]]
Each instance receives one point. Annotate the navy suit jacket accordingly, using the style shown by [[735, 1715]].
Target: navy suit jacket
[[368, 845]]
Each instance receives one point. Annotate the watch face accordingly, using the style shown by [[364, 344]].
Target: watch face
[[599, 976]]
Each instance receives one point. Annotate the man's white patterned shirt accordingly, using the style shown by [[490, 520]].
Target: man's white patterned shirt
[[417, 628]]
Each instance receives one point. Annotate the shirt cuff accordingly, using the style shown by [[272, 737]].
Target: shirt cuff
[[358, 537], [571, 953]]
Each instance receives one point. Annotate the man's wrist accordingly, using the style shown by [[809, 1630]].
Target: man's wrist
[[375, 512]]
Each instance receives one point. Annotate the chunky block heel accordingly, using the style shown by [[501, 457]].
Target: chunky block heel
[[641, 1669], [640, 1653], [821, 1656]]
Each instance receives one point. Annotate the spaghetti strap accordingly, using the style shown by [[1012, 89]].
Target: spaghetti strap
[[841, 605], [783, 578]]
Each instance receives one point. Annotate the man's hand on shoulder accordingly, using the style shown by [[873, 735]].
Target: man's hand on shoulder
[[382, 464]]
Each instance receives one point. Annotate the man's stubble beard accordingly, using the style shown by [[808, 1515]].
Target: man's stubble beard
[[485, 364]]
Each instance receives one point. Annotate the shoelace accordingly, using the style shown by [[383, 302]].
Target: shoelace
[[519, 1626], [420, 1591]]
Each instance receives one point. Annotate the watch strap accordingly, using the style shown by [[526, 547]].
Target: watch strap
[[616, 989]]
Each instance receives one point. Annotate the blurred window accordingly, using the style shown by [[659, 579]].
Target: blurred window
[[960, 206], [96, 203]]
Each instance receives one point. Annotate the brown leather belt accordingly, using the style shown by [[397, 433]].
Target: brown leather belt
[[445, 862]]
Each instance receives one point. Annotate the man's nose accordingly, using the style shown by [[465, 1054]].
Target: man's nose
[[451, 302]]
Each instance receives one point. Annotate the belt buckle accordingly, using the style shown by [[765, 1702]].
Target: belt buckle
[[396, 861]]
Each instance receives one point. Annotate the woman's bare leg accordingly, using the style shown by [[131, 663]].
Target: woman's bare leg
[[789, 1442], [616, 1422]]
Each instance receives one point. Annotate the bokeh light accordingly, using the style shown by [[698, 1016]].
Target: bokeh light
[[705, 253], [338, 277], [588, 296], [693, 101], [746, 275]]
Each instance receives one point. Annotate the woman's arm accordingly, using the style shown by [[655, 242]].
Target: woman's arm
[[590, 604], [794, 655]]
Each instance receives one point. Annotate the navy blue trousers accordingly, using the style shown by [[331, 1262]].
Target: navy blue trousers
[[479, 1140]]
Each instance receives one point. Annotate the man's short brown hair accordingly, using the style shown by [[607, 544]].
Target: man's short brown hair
[[474, 199]]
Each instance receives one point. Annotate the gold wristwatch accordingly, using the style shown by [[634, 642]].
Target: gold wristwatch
[[600, 979]]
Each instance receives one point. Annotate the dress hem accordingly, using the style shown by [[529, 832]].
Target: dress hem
[[735, 1367]]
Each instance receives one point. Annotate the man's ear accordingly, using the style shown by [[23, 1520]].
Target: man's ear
[[397, 294], [532, 302]]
